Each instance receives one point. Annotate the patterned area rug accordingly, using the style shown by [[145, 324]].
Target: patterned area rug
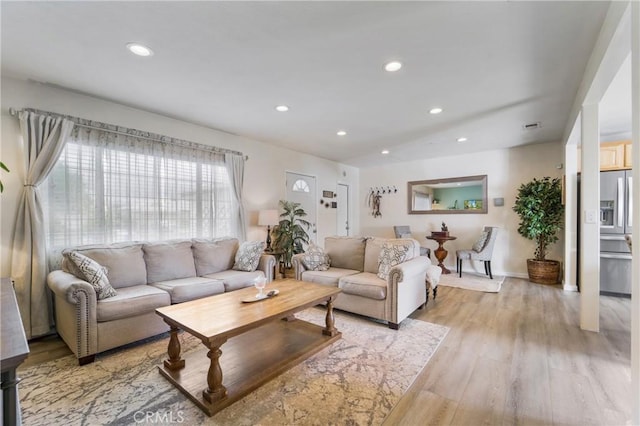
[[471, 281], [356, 381]]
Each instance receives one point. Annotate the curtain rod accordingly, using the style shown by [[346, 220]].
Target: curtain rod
[[159, 138]]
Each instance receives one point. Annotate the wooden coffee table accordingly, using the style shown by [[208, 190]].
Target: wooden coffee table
[[261, 340]]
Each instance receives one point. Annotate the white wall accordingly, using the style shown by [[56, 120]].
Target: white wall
[[264, 172], [506, 170]]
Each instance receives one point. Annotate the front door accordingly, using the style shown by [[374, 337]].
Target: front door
[[342, 215], [302, 189]]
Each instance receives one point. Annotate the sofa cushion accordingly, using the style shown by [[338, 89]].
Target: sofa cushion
[[364, 284], [234, 280], [124, 263], [372, 254], [328, 277], [94, 273], [346, 252], [248, 256], [131, 301], [168, 260], [392, 254], [214, 255], [315, 259], [185, 289]]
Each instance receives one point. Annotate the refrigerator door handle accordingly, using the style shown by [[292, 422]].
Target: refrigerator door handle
[[629, 202], [620, 203], [618, 256]]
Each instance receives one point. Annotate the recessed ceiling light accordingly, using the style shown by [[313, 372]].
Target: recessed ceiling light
[[436, 110], [341, 133], [139, 49], [384, 151], [282, 108], [393, 66], [461, 139]]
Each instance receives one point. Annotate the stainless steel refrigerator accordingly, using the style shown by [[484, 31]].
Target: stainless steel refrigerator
[[616, 220]]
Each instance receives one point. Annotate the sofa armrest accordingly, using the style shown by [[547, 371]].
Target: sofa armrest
[[76, 312], [267, 264], [411, 268], [406, 288], [298, 266], [69, 287]]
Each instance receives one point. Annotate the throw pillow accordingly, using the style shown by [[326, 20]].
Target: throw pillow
[[94, 274], [392, 254], [407, 235], [315, 259], [480, 243], [248, 256]]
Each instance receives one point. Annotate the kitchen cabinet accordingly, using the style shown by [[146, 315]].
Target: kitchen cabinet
[[614, 155], [611, 156], [627, 155]]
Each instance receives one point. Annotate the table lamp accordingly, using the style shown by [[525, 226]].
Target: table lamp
[[268, 218]]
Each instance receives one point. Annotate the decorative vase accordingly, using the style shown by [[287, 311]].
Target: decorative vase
[[543, 271]]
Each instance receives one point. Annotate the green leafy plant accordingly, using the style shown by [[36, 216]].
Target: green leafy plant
[[539, 205], [290, 234], [6, 169]]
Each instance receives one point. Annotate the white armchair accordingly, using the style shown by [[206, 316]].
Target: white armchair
[[482, 250]]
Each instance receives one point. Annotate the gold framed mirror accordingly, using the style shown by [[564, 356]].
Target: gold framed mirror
[[460, 195]]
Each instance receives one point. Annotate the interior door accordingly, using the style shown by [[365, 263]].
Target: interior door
[[302, 189], [342, 214]]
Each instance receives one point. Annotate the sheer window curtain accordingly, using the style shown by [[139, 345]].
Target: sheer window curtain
[[111, 187], [235, 165], [44, 138]]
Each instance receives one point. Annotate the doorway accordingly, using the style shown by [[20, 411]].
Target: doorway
[[302, 189], [342, 215]]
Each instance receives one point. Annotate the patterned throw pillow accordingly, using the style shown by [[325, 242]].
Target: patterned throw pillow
[[315, 259], [248, 256], [480, 243], [94, 274], [392, 254]]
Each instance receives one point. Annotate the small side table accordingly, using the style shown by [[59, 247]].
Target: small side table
[[13, 351], [278, 270], [441, 253]]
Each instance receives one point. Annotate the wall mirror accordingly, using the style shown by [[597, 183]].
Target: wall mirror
[[460, 195]]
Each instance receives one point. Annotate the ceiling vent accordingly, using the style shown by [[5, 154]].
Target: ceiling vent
[[532, 126]]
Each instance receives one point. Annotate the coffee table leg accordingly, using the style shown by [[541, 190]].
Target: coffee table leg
[[174, 362], [215, 391], [330, 329]]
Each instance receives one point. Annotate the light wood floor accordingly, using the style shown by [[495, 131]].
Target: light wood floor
[[519, 357], [515, 357]]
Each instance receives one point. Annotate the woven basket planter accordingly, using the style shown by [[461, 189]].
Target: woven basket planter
[[543, 271]]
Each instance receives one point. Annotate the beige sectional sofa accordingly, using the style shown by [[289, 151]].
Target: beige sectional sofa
[[145, 276], [354, 268]]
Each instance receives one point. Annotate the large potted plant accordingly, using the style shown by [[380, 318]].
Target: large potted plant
[[290, 233], [539, 205]]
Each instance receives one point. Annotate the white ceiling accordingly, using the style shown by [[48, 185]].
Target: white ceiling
[[492, 66]]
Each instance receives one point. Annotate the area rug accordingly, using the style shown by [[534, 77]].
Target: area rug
[[470, 281], [355, 381]]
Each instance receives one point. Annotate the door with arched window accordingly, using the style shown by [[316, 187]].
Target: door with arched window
[[302, 189]]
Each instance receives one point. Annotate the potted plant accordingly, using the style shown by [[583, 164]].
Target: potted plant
[[539, 205], [290, 233], [6, 169]]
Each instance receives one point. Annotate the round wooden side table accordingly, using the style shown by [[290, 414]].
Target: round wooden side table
[[441, 253]]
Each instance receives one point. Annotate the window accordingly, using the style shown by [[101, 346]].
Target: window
[[109, 187], [300, 186]]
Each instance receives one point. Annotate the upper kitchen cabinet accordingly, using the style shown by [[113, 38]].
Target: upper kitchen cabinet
[[614, 155], [627, 155]]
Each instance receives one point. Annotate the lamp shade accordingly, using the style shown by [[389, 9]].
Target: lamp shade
[[268, 217]]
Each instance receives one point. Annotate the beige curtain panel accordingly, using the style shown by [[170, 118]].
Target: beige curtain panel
[[44, 138], [235, 167]]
